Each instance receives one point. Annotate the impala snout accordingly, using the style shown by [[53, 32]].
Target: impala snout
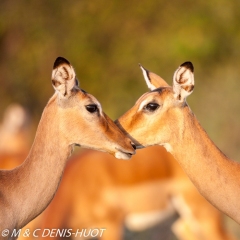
[[133, 145], [136, 145], [124, 153]]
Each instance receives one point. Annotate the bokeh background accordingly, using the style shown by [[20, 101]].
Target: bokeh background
[[105, 40]]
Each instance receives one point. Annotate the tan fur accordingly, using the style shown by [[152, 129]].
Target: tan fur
[[26, 191], [100, 191], [214, 175]]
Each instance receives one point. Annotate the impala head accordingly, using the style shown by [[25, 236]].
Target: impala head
[[157, 118], [82, 120]]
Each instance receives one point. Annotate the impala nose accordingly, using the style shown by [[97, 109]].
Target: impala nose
[[133, 145]]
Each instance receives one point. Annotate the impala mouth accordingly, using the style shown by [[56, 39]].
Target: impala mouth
[[120, 154], [139, 146]]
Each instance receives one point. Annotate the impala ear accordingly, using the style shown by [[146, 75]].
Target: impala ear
[[63, 77], [183, 81], [153, 80]]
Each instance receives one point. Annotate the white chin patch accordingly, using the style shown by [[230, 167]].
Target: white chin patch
[[121, 155], [167, 146]]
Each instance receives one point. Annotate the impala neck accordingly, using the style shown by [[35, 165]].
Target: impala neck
[[208, 168], [35, 182]]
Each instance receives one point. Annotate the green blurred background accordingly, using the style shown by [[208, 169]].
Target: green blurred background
[[105, 40]]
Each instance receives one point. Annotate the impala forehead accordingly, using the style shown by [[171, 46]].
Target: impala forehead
[[80, 99], [155, 96], [87, 98]]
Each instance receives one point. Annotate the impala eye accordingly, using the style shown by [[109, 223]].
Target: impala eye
[[92, 108], [151, 107]]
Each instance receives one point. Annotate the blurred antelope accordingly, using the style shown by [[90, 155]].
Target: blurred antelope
[[71, 117], [15, 130], [98, 191]]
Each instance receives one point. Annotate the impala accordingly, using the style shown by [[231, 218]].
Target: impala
[[98, 191], [162, 117], [71, 117], [15, 130], [14, 136]]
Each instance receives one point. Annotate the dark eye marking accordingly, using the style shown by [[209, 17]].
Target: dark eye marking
[[151, 107], [92, 108]]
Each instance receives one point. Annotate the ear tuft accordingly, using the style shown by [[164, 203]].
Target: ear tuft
[[146, 77], [152, 80], [188, 65], [59, 61]]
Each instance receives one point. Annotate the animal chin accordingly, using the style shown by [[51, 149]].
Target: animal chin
[[123, 155]]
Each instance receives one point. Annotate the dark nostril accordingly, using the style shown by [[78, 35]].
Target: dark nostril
[[133, 145]]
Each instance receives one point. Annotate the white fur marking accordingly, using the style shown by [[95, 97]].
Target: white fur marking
[[142, 221], [168, 147], [143, 103], [121, 155], [147, 80]]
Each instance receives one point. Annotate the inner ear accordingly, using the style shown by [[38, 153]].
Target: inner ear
[[63, 77], [183, 81]]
